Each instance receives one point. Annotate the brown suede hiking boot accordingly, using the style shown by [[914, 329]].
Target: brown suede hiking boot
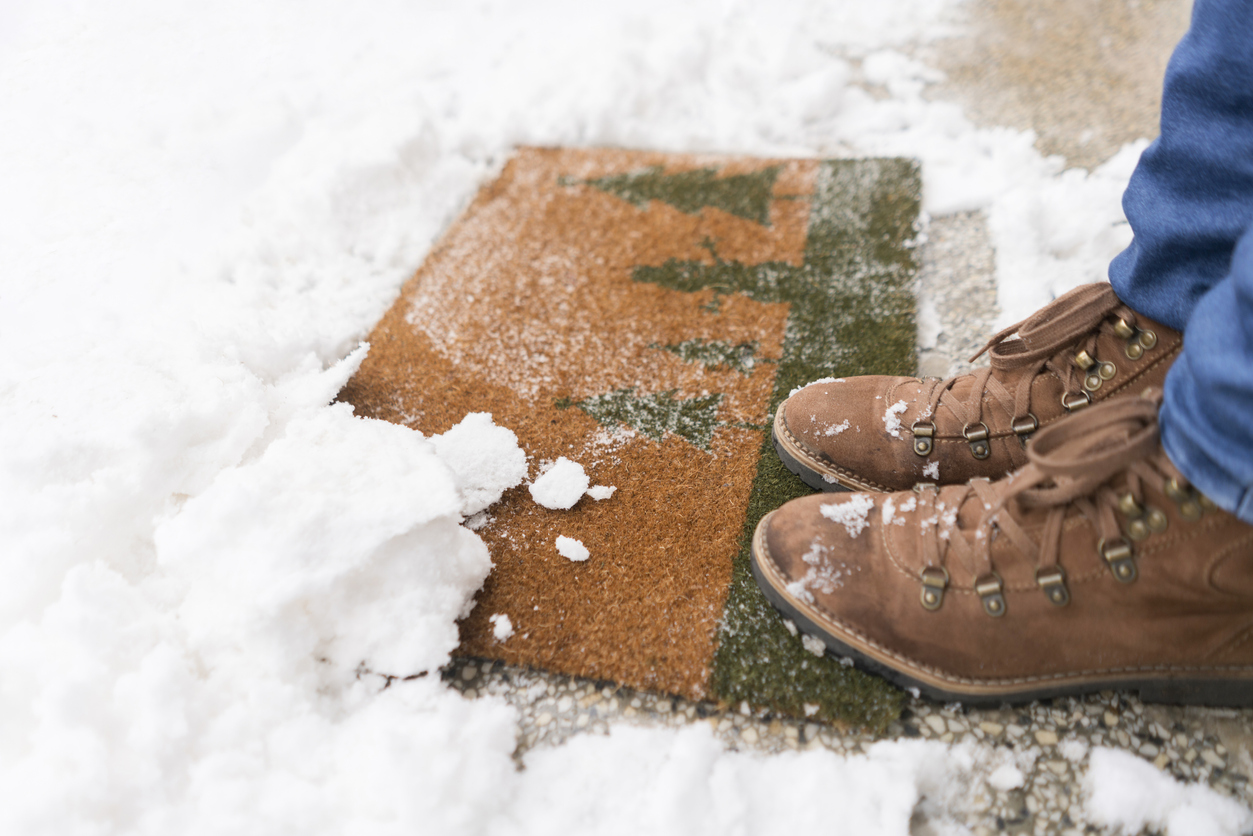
[[880, 433], [1096, 566]]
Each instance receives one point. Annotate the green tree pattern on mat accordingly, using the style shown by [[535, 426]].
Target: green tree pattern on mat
[[655, 413], [713, 354], [745, 195], [851, 312]]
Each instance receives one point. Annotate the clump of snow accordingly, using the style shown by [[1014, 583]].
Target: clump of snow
[[1073, 749], [797, 589], [851, 513], [601, 492], [485, 460], [790, 626], [813, 644], [836, 429], [1006, 777], [502, 627], [1129, 794], [560, 486], [932, 470], [817, 382], [571, 548], [892, 420]]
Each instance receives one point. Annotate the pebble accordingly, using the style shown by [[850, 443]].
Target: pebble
[[1212, 758], [749, 735], [1046, 738], [991, 728], [937, 724], [544, 719], [1111, 719]]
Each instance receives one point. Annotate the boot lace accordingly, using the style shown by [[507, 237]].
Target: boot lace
[[1095, 464], [1089, 309]]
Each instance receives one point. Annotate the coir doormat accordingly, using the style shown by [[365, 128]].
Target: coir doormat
[[643, 314]]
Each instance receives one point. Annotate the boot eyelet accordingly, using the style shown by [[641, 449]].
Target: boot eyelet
[[1138, 530], [990, 591], [977, 435], [924, 435], [1092, 382], [1187, 498], [1025, 426], [1157, 521], [1107, 370], [1124, 329], [934, 582], [1084, 360], [1120, 559], [1054, 585], [1147, 339], [1176, 490], [1130, 508], [1133, 350], [1075, 401]]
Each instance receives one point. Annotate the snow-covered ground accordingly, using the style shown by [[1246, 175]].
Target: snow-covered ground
[[206, 571]]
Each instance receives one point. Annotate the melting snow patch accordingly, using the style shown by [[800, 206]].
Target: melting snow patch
[[816, 383], [891, 419], [1073, 750], [599, 492], [572, 549], [1128, 794], [851, 513], [814, 645], [1006, 777], [502, 627], [932, 471], [789, 625], [836, 429], [798, 591], [560, 486]]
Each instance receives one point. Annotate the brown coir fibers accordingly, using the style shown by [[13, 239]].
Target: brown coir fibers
[[594, 302]]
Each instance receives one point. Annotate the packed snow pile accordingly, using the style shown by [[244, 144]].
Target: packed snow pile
[[223, 598]]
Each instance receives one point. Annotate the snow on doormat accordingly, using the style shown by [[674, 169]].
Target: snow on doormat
[[641, 315]]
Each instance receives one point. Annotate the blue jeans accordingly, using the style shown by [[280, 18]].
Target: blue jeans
[[1190, 265]]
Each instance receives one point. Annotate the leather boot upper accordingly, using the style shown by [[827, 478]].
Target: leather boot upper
[[1095, 563], [885, 433]]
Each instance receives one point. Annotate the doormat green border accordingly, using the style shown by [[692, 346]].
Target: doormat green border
[[852, 312]]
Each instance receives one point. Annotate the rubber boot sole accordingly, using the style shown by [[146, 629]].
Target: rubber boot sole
[[1224, 692]]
